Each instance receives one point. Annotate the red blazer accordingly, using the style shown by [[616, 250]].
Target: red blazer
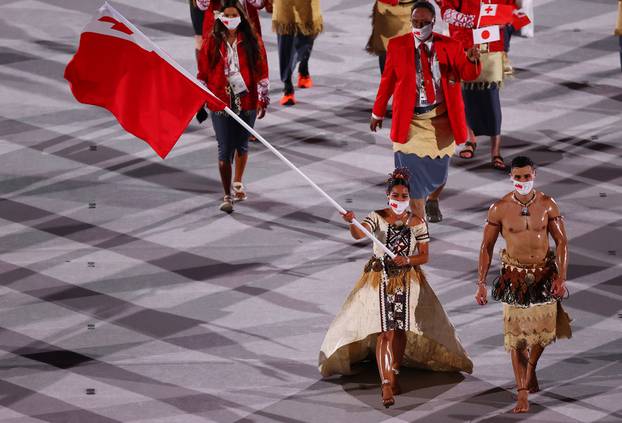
[[399, 80], [217, 81], [471, 7]]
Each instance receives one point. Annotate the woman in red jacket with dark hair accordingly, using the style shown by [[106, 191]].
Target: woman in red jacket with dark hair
[[234, 66]]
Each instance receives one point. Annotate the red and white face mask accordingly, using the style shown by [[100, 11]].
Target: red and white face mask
[[398, 207], [230, 23], [424, 33], [523, 188]]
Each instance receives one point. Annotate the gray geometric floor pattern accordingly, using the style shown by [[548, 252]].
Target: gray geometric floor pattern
[[126, 296]]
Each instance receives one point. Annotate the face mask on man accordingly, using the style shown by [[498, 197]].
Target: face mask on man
[[424, 33], [523, 188], [230, 23], [398, 207]]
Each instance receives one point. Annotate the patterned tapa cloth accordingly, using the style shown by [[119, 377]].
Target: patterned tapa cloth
[[297, 17], [388, 22], [388, 297], [531, 315]]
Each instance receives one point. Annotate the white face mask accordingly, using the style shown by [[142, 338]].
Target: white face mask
[[523, 188], [398, 207], [230, 23], [424, 33]]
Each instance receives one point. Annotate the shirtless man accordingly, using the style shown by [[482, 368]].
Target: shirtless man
[[532, 279]]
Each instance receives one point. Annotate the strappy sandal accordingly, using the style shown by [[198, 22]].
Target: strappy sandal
[[238, 191], [387, 394], [227, 204], [497, 163], [469, 148]]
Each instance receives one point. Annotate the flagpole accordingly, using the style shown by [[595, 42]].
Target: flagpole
[[230, 112], [306, 178]]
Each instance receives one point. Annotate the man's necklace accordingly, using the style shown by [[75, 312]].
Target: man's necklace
[[525, 206]]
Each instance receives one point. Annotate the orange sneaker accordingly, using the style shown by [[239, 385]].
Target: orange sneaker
[[305, 81], [288, 100]]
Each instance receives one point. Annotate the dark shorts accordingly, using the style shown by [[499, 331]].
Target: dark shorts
[[483, 110], [426, 174], [231, 135]]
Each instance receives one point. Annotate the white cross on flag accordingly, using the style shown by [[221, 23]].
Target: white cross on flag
[[486, 35]]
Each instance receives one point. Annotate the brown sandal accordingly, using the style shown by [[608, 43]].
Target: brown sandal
[[469, 148], [498, 163]]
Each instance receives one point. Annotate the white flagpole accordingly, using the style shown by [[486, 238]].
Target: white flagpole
[[191, 77]]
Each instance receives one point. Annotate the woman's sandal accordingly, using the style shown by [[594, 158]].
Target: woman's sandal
[[497, 163], [469, 150], [238, 191], [387, 399]]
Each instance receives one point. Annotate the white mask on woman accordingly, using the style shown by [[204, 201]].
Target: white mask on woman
[[398, 207], [230, 23], [523, 188]]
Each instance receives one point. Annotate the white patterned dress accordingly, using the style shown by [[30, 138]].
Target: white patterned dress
[[387, 297]]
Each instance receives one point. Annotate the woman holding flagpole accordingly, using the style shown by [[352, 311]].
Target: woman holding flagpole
[[392, 310], [234, 66]]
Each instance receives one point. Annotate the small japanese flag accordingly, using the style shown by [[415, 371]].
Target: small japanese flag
[[487, 34]]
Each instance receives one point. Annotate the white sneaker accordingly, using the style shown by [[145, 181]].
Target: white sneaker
[[238, 191], [227, 204]]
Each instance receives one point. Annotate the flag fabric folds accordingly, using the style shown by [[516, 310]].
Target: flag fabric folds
[[520, 20], [495, 14], [118, 68]]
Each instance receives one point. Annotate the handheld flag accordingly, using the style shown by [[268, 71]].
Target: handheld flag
[[495, 14], [118, 68], [486, 35], [520, 20]]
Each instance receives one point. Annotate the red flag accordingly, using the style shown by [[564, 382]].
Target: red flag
[[117, 67], [520, 20], [495, 14]]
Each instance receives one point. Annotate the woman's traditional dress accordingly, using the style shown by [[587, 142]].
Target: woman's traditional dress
[[387, 297]]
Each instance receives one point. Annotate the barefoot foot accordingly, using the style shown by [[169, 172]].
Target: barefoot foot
[[522, 403]]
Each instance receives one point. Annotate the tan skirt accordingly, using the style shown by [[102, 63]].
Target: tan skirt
[[388, 22], [538, 324], [492, 71], [432, 342], [429, 134]]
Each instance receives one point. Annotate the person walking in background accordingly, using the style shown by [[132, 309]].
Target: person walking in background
[[481, 95], [297, 23], [389, 19], [423, 73], [234, 66]]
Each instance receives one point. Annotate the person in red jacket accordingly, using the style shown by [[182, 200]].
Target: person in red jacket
[[423, 71], [234, 66], [481, 96]]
